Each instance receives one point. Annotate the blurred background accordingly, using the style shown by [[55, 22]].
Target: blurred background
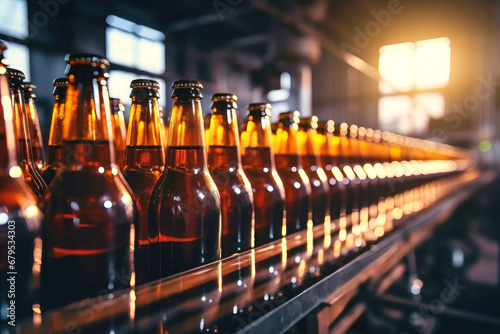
[[417, 67]]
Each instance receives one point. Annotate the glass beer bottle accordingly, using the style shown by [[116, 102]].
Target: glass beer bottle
[[88, 208], [329, 154], [259, 166], [20, 220], [288, 158], [34, 126], [54, 157], [308, 140], [25, 152], [119, 130], [185, 203], [224, 163], [145, 160]]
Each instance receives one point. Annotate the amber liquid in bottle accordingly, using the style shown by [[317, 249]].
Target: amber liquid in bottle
[[289, 167], [54, 151], [119, 130], [20, 222], [259, 166], [145, 160], [88, 207], [185, 203], [224, 163], [329, 162], [312, 167]]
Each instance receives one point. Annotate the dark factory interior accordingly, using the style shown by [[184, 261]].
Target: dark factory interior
[[415, 244]]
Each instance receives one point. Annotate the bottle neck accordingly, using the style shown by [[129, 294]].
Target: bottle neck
[[258, 133], [56, 126], [144, 139], [87, 119], [224, 147], [186, 123], [34, 123], [287, 140], [256, 143], [8, 142], [21, 126], [186, 140]]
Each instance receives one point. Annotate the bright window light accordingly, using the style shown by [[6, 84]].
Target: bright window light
[[412, 67], [151, 56], [432, 63], [285, 80], [431, 104], [120, 23], [278, 95], [14, 18], [133, 45], [120, 46], [396, 65], [395, 113], [19, 58]]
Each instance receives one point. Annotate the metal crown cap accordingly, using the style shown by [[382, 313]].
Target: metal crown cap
[[187, 83], [16, 74], [86, 59], [144, 83], [63, 81], [29, 85], [224, 96]]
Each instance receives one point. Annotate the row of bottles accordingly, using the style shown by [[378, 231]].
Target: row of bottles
[[115, 206]]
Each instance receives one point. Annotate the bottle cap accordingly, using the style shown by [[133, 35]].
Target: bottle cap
[[63, 81], [261, 109], [29, 89], [308, 122], [144, 83], [142, 89], [187, 83], [185, 88], [16, 78], [224, 96], [16, 74], [116, 105], [290, 117], [86, 59]]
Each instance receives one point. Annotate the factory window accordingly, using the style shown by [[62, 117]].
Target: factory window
[[279, 97], [14, 27], [412, 74], [135, 46]]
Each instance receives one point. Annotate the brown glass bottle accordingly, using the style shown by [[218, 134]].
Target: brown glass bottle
[[288, 158], [25, 152], [20, 220], [145, 160], [224, 163], [308, 140], [329, 153], [54, 151], [34, 126], [119, 130], [345, 164], [185, 203], [88, 208], [259, 166]]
